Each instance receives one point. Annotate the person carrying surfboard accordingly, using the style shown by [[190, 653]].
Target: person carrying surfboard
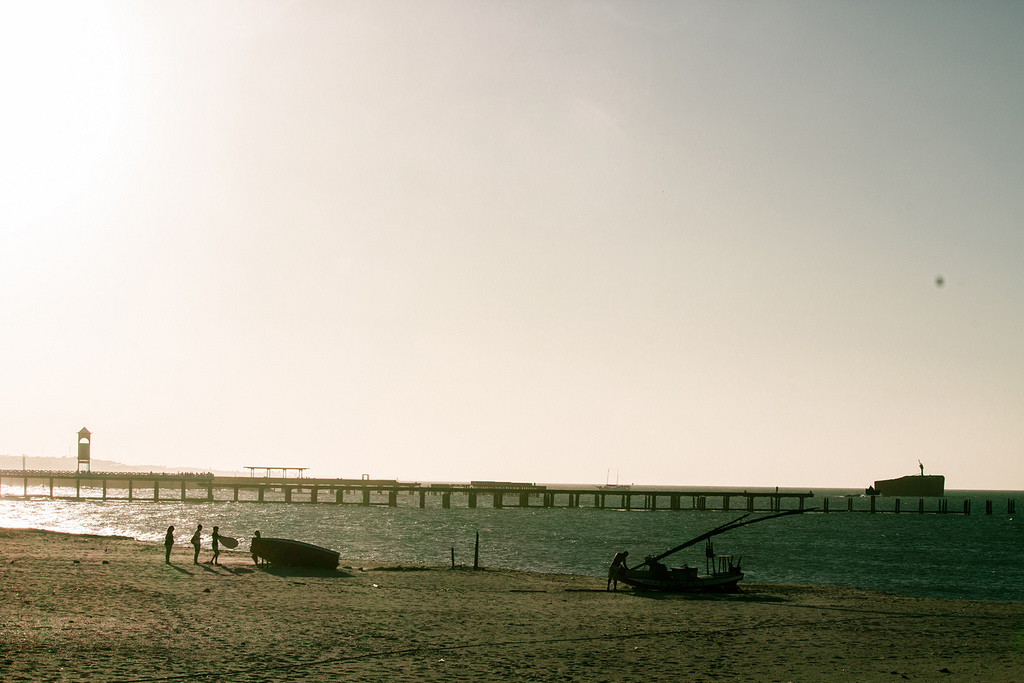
[[216, 546], [197, 540]]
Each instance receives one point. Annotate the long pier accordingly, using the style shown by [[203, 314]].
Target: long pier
[[208, 488]]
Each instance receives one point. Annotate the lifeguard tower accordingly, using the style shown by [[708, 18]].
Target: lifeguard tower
[[84, 442]]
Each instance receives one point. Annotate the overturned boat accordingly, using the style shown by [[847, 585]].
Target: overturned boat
[[291, 553], [721, 574]]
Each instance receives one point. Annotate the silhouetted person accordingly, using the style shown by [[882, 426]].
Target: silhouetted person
[[618, 564], [921, 465], [197, 540], [215, 541], [168, 544], [252, 547]]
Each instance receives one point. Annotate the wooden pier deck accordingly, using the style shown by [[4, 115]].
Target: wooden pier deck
[[207, 488]]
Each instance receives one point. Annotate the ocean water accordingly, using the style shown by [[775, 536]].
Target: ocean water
[[976, 556]]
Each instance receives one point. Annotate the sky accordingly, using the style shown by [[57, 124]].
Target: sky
[[669, 243]]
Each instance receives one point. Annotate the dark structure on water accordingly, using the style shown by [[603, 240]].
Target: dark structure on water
[[924, 485]]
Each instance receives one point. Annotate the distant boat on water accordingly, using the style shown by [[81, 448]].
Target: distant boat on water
[[616, 486]]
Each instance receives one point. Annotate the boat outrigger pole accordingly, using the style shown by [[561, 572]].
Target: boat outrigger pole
[[728, 526]]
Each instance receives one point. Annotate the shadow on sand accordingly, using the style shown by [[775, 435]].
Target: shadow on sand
[[738, 596], [293, 572]]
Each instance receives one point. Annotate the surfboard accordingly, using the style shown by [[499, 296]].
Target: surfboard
[[228, 542]]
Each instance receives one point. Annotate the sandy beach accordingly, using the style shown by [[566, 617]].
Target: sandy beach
[[89, 608]]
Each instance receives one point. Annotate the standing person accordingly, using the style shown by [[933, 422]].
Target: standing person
[[168, 544], [215, 540], [252, 546], [618, 562], [197, 540]]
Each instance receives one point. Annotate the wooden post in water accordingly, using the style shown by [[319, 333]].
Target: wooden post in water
[[920, 506], [476, 552], [453, 557], [423, 504], [849, 504], [446, 500], [872, 503], [988, 507], [472, 500]]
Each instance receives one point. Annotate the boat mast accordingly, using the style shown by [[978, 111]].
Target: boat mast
[[729, 526]]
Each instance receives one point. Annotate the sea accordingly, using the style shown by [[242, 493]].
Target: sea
[[976, 556]]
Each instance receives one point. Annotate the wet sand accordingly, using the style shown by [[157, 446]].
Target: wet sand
[[88, 608]]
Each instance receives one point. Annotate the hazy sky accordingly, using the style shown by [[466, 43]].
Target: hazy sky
[[691, 243]]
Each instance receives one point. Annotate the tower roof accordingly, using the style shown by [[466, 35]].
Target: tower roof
[[84, 432]]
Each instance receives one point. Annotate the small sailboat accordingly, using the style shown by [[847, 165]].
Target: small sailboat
[[721, 573]]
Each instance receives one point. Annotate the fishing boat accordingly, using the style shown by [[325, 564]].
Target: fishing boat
[[290, 553], [721, 574]]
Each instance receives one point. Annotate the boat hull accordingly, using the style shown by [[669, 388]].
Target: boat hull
[[682, 580], [290, 553]]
